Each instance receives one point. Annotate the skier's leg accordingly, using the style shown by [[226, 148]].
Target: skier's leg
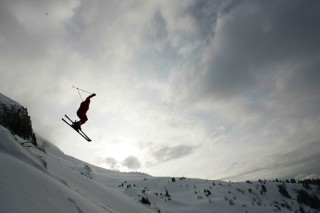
[[83, 117]]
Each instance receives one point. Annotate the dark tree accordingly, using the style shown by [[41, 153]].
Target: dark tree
[[167, 194], [283, 191], [145, 201], [312, 201], [293, 180]]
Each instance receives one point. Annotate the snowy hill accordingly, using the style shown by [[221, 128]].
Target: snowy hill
[[33, 181], [41, 178]]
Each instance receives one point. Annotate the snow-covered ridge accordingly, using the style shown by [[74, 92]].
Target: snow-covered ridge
[[7, 101], [34, 180]]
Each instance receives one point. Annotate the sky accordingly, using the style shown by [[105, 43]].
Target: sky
[[214, 89]]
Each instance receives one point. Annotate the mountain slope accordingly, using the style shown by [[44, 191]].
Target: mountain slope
[[30, 185], [35, 181]]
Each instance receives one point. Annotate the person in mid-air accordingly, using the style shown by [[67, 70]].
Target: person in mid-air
[[84, 107]]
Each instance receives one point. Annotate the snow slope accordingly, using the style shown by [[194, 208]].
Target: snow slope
[[33, 181]]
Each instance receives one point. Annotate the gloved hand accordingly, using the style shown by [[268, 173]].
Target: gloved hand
[[93, 95]]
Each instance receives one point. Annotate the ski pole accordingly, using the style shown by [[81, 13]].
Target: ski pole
[[82, 90]]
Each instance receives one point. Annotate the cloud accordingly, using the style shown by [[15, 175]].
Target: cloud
[[259, 69], [28, 32], [303, 159], [234, 78], [131, 162], [172, 153], [300, 162], [111, 163], [250, 42]]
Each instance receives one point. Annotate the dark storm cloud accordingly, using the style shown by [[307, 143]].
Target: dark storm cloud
[[263, 36], [171, 153], [131, 162], [251, 40], [260, 73], [207, 12]]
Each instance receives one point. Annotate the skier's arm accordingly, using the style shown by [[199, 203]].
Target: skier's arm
[[90, 96]]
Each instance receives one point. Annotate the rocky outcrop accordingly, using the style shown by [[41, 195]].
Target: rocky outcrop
[[15, 117]]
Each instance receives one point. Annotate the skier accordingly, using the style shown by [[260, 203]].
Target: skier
[[84, 106]]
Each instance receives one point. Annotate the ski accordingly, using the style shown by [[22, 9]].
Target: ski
[[88, 139], [80, 132]]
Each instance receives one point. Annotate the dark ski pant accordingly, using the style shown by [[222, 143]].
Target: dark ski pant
[[82, 115]]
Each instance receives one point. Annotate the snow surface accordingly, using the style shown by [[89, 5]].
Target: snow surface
[[7, 101], [27, 186], [32, 180]]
